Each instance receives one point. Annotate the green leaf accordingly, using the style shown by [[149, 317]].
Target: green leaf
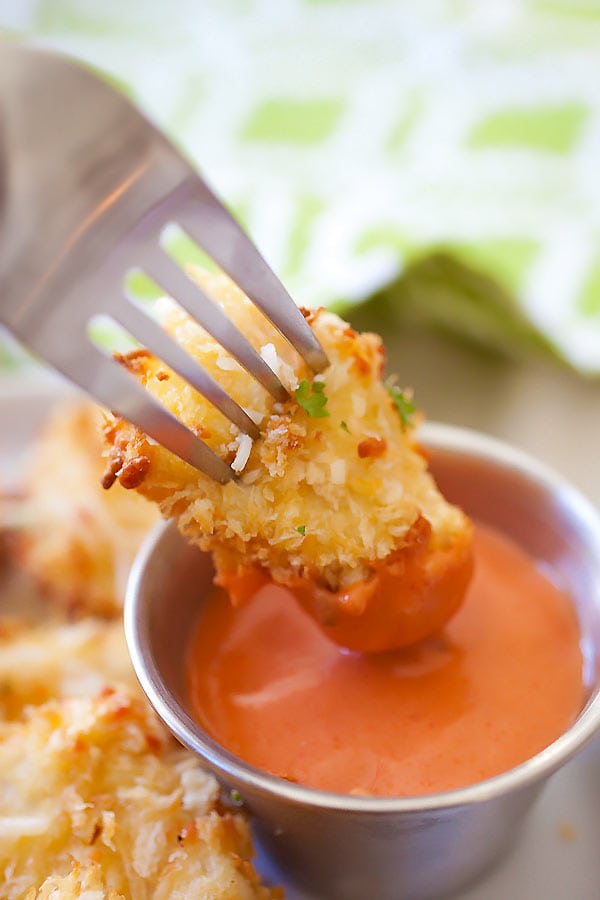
[[312, 398], [236, 798], [403, 404], [344, 426], [301, 529]]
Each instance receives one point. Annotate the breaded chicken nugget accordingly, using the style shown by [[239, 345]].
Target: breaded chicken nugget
[[77, 540], [82, 881], [54, 661], [95, 796], [334, 500]]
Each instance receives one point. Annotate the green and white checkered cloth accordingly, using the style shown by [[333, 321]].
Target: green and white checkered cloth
[[443, 154]]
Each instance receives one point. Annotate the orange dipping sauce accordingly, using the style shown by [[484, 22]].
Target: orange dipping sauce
[[500, 683]]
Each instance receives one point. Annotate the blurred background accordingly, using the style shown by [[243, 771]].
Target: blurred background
[[430, 170]]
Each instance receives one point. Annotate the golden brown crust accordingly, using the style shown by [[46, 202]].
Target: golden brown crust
[[96, 799], [42, 662], [105, 800], [94, 793], [334, 498], [310, 314], [320, 497], [134, 360], [79, 540]]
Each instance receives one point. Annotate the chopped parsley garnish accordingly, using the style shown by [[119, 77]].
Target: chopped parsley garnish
[[344, 426], [403, 404], [301, 529], [236, 798], [313, 403]]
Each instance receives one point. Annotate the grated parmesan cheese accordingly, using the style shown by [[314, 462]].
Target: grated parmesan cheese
[[256, 415], [243, 452], [15, 827], [285, 373], [359, 405], [227, 364], [338, 471]]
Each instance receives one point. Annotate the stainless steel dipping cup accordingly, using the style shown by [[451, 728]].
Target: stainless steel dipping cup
[[339, 847]]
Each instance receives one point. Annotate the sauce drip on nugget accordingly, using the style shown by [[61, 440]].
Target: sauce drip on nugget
[[334, 500]]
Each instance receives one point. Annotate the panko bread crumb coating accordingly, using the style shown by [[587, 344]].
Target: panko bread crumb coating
[[334, 499], [77, 540], [50, 661], [96, 800]]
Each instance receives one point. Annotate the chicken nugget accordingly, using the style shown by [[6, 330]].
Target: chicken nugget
[[95, 795], [56, 660], [77, 540], [333, 500]]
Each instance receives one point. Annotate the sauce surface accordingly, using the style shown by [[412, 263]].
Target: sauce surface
[[501, 683]]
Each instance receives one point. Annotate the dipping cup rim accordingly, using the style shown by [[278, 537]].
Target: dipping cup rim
[[233, 769]]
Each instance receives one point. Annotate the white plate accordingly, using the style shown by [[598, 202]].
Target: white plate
[[557, 856]]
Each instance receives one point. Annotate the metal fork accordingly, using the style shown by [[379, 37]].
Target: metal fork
[[87, 186]]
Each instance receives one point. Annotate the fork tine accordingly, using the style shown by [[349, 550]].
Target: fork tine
[[215, 230], [152, 336], [173, 280], [110, 384]]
